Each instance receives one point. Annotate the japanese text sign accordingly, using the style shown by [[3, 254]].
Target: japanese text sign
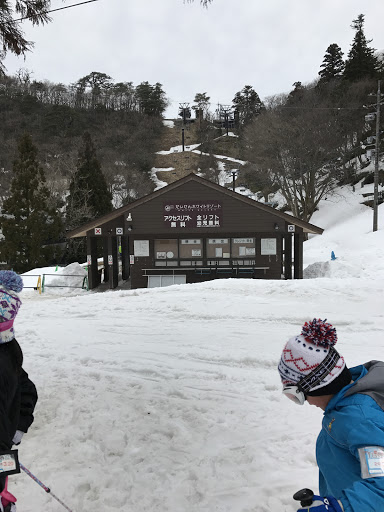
[[193, 214]]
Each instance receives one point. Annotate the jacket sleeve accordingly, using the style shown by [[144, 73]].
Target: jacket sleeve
[[7, 388], [28, 399], [365, 494]]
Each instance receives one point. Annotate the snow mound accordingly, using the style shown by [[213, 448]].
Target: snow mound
[[318, 269], [71, 276], [337, 269]]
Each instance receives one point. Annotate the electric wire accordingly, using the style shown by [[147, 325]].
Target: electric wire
[[58, 9]]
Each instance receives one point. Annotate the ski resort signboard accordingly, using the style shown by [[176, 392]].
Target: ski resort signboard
[[193, 214]]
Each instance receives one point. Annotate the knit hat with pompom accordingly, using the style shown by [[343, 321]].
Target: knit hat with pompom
[[10, 285], [303, 353]]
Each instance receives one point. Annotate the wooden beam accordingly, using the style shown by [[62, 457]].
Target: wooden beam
[[298, 256], [125, 257], [288, 256], [93, 271]]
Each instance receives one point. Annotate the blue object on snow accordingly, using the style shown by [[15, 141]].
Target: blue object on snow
[[333, 257]]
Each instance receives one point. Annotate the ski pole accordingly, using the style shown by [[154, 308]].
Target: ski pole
[[46, 489], [305, 496]]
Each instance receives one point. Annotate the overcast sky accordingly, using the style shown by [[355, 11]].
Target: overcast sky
[[189, 49]]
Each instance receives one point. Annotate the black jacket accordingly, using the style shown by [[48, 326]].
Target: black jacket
[[18, 396]]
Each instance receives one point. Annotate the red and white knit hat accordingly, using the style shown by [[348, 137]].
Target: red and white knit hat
[[303, 353]]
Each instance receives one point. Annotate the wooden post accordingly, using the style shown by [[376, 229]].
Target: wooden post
[[298, 256], [105, 259], [125, 257], [288, 256], [93, 274]]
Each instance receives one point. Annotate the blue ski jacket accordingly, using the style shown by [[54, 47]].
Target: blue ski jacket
[[354, 418]]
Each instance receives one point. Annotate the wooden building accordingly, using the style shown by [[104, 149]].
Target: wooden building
[[191, 231]]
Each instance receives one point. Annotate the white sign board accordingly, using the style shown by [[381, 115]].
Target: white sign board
[[131, 259], [97, 231], [89, 259], [268, 246], [141, 248], [291, 228], [243, 240], [110, 259], [119, 231]]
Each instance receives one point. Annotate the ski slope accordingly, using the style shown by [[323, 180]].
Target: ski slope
[[169, 399]]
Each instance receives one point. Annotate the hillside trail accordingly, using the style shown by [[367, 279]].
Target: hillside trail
[[209, 158]]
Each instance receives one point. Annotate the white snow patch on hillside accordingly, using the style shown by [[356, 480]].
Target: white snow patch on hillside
[[178, 149], [159, 183]]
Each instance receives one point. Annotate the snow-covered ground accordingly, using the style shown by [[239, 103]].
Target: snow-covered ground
[[169, 399]]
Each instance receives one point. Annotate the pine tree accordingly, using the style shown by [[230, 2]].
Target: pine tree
[[333, 64], [89, 196], [11, 36], [29, 224], [202, 102], [361, 62], [296, 96], [151, 98], [247, 104]]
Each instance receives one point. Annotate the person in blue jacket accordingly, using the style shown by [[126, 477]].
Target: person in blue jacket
[[350, 446]]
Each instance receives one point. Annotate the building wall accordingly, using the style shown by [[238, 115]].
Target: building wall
[[270, 266], [227, 218], [148, 218]]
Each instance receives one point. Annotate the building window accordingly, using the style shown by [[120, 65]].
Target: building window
[[218, 248], [191, 248], [243, 247], [168, 280], [166, 249]]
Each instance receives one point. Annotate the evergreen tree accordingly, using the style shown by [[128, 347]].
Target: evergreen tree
[[202, 102], [29, 224], [89, 196], [333, 64], [97, 83], [297, 95], [247, 104], [158, 100], [361, 62], [11, 37], [151, 99]]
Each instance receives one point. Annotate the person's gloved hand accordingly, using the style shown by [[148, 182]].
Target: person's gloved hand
[[319, 504], [17, 437]]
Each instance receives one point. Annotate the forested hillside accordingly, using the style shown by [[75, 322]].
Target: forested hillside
[[96, 145], [124, 122]]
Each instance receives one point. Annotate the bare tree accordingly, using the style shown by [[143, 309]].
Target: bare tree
[[299, 153]]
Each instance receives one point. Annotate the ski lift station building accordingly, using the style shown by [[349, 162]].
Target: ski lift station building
[[190, 231]]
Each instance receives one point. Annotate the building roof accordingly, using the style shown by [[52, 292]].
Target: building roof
[[82, 230]]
